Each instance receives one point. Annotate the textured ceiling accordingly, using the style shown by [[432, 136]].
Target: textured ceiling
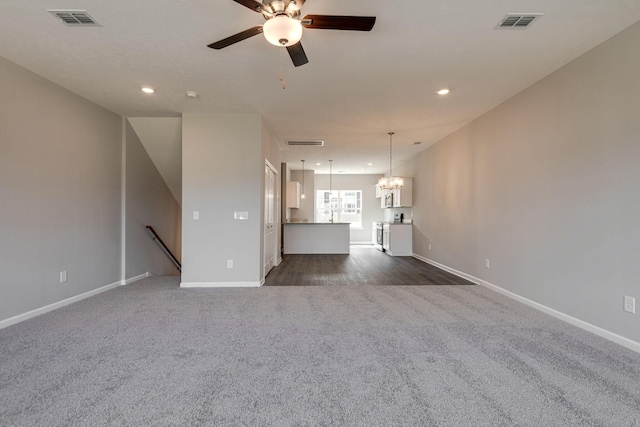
[[356, 87]]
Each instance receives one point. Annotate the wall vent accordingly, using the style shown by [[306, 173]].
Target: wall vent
[[306, 143], [74, 18], [518, 20]]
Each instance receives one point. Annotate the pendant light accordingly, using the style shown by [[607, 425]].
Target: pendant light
[[330, 189], [390, 182], [302, 196], [330, 175]]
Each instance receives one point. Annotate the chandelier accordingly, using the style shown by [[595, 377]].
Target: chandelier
[[390, 182]]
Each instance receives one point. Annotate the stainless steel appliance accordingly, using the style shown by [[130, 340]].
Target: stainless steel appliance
[[378, 243]]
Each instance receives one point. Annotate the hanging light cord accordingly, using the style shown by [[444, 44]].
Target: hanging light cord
[[330, 189], [390, 153], [303, 196]]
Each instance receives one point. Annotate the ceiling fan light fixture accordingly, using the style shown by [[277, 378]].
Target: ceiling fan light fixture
[[282, 31]]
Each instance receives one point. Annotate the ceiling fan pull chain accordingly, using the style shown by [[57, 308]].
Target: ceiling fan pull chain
[[284, 86]]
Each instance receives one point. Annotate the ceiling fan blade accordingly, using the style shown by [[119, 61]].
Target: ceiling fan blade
[[329, 22], [236, 38], [254, 5], [296, 52]]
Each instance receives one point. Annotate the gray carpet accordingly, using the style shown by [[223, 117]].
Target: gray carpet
[[152, 354]]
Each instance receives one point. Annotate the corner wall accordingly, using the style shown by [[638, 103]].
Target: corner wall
[[223, 172], [545, 186], [60, 192]]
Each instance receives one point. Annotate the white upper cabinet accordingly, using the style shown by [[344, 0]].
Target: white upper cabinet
[[403, 197], [400, 197], [293, 194]]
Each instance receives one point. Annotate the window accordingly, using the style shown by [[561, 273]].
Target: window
[[346, 206]]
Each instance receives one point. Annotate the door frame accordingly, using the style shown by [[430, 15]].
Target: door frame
[[276, 220]]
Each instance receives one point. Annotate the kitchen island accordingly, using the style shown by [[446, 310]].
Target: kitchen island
[[316, 238]]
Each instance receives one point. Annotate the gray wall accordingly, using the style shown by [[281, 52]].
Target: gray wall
[[149, 201], [223, 172], [371, 210], [546, 187], [60, 173]]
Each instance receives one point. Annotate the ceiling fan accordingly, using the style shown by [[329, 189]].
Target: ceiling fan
[[284, 26]]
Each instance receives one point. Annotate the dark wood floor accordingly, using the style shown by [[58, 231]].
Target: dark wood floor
[[363, 266]]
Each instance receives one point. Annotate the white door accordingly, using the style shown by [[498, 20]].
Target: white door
[[269, 219]]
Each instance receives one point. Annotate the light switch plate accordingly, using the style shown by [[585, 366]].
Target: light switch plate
[[196, 214], [240, 215], [630, 304]]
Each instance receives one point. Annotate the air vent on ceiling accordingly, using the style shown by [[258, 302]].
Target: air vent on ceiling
[[518, 20], [307, 143], [74, 18]]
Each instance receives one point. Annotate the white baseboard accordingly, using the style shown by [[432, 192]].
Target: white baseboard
[[220, 284], [611, 336], [47, 308], [136, 278], [367, 243], [279, 260]]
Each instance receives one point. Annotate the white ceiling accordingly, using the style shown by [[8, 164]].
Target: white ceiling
[[356, 87]]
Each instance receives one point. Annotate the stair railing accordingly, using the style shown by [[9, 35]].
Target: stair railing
[[165, 248]]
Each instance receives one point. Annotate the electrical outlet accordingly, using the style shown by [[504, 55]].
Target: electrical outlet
[[630, 304], [487, 263], [241, 215], [63, 276], [229, 263], [196, 214], [429, 246]]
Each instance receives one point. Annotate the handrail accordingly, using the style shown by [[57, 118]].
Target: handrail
[[166, 249]]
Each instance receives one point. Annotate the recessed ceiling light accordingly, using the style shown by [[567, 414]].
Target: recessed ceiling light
[[369, 164], [443, 91], [147, 89], [192, 94], [318, 164]]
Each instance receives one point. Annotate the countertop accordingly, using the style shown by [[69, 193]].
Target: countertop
[[396, 223], [317, 223]]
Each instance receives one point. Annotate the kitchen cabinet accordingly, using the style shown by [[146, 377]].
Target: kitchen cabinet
[[293, 194], [378, 191], [403, 197], [397, 239], [383, 198], [317, 238]]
